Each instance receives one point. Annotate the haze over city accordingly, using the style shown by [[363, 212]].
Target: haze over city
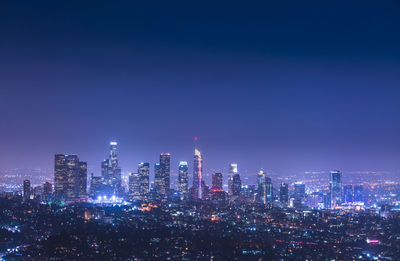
[[196, 130], [285, 89]]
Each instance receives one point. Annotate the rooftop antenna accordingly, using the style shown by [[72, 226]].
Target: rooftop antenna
[[195, 142]]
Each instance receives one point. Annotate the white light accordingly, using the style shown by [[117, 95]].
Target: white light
[[105, 197], [113, 143], [99, 198]]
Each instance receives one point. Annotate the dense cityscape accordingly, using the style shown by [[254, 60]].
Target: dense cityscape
[[199, 130], [81, 217]]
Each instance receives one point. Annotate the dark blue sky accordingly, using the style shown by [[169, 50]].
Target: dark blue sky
[[288, 86]]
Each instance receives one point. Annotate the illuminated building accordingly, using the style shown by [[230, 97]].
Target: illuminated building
[[114, 175], [197, 173], [261, 188], [348, 193], [217, 191], [205, 191], [27, 189], [97, 186], [358, 193], [81, 181], [158, 180], [231, 172], [162, 176], [105, 168], [111, 172], [236, 185], [269, 189], [113, 155], [217, 181], [248, 191], [264, 188], [299, 190], [183, 179], [335, 187], [47, 191], [299, 194], [144, 179], [70, 177], [284, 193], [134, 186]]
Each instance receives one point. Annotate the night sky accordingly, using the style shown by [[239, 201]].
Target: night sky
[[288, 86]]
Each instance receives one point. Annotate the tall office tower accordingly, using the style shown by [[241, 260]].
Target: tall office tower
[[27, 189], [326, 197], [261, 188], [348, 193], [335, 186], [197, 173], [162, 175], [134, 186], [158, 181], [183, 180], [284, 193], [299, 190], [97, 186], [81, 181], [217, 182], [358, 193], [70, 177], [205, 191], [299, 194], [236, 185], [144, 173], [105, 168], [113, 155], [269, 189], [231, 172], [114, 175], [47, 190]]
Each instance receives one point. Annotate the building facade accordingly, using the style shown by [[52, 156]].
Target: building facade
[[144, 176], [233, 169], [335, 188], [183, 180], [197, 174], [70, 178], [284, 193]]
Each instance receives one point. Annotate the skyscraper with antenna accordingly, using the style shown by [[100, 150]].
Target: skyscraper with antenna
[[197, 170]]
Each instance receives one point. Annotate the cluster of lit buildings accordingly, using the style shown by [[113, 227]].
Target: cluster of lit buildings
[[291, 220], [70, 185]]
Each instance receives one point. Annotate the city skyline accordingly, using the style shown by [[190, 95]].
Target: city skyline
[[199, 130]]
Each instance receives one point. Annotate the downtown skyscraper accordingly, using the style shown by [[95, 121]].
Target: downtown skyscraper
[[197, 174], [348, 194], [183, 180], [144, 180], [236, 185], [134, 186], [27, 189], [70, 178], [162, 176], [264, 188], [217, 182], [284, 193], [335, 188], [110, 170], [233, 169]]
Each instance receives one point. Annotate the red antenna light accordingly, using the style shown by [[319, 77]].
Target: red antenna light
[[195, 138]]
